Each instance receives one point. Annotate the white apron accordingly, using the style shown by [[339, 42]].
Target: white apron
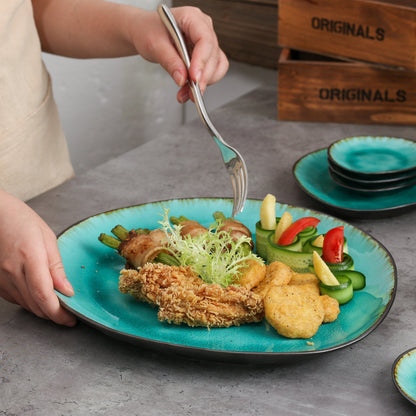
[[33, 151]]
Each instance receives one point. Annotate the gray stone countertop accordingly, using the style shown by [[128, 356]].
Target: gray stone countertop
[[50, 370]]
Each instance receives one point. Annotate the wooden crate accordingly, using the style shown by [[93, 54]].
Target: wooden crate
[[246, 29], [315, 88], [382, 31]]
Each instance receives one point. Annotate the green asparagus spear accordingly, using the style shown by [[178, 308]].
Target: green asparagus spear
[[120, 232], [109, 240], [177, 221], [219, 216], [167, 259], [142, 231]]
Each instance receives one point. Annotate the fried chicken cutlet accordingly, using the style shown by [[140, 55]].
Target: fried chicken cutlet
[[182, 297]]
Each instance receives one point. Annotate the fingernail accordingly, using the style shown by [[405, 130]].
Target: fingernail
[[178, 78], [198, 76], [183, 97], [69, 289]]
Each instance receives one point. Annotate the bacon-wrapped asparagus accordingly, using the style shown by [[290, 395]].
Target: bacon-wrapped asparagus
[[142, 246], [139, 247], [236, 228], [189, 227]]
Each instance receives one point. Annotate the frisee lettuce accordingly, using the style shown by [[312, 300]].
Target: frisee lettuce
[[214, 256]]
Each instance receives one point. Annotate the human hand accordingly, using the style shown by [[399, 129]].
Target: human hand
[[208, 62], [30, 263]]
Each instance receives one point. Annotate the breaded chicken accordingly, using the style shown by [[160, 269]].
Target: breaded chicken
[[277, 274], [331, 308], [182, 297], [294, 310]]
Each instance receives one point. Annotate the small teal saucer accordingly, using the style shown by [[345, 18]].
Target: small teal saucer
[[404, 374], [312, 174], [370, 186], [373, 157]]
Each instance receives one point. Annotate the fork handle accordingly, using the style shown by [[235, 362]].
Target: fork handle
[[176, 34]]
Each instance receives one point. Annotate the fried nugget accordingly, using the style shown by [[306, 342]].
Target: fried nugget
[[307, 280], [252, 274], [294, 310], [303, 278], [277, 274], [331, 308]]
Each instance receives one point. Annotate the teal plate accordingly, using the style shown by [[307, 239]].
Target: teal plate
[[369, 156], [404, 374], [370, 186], [93, 270], [312, 174]]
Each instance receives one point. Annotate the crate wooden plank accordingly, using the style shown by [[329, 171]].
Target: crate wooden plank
[[382, 31], [246, 29], [345, 92]]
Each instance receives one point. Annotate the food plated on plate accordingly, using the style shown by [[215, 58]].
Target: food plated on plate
[[93, 269], [293, 276]]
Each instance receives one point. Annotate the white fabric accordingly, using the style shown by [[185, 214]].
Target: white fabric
[[33, 151]]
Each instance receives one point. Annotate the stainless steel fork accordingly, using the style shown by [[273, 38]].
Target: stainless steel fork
[[234, 163]]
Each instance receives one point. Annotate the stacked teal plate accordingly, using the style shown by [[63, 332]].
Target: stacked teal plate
[[313, 176], [373, 164], [371, 185]]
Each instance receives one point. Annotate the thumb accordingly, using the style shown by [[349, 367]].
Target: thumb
[[56, 268]]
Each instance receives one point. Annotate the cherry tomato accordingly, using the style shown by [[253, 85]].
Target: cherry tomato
[[332, 250], [295, 228]]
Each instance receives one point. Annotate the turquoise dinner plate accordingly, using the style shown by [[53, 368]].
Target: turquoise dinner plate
[[404, 374], [93, 270], [370, 156], [312, 174]]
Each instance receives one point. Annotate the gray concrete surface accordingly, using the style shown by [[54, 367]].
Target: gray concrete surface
[[49, 370]]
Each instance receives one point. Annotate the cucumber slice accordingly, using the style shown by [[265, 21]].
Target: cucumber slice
[[261, 240], [343, 292], [346, 264], [308, 233], [309, 247], [357, 278], [289, 255]]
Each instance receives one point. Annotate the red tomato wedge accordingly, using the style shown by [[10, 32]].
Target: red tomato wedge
[[295, 228], [333, 248]]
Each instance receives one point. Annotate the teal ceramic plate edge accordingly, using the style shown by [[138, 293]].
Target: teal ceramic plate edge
[[93, 270], [406, 149], [404, 374], [350, 184], [374, 182], [311, 172]]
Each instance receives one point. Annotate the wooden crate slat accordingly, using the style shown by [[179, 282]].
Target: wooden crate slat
[[382, 32], [246, 29], [336, 91]]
